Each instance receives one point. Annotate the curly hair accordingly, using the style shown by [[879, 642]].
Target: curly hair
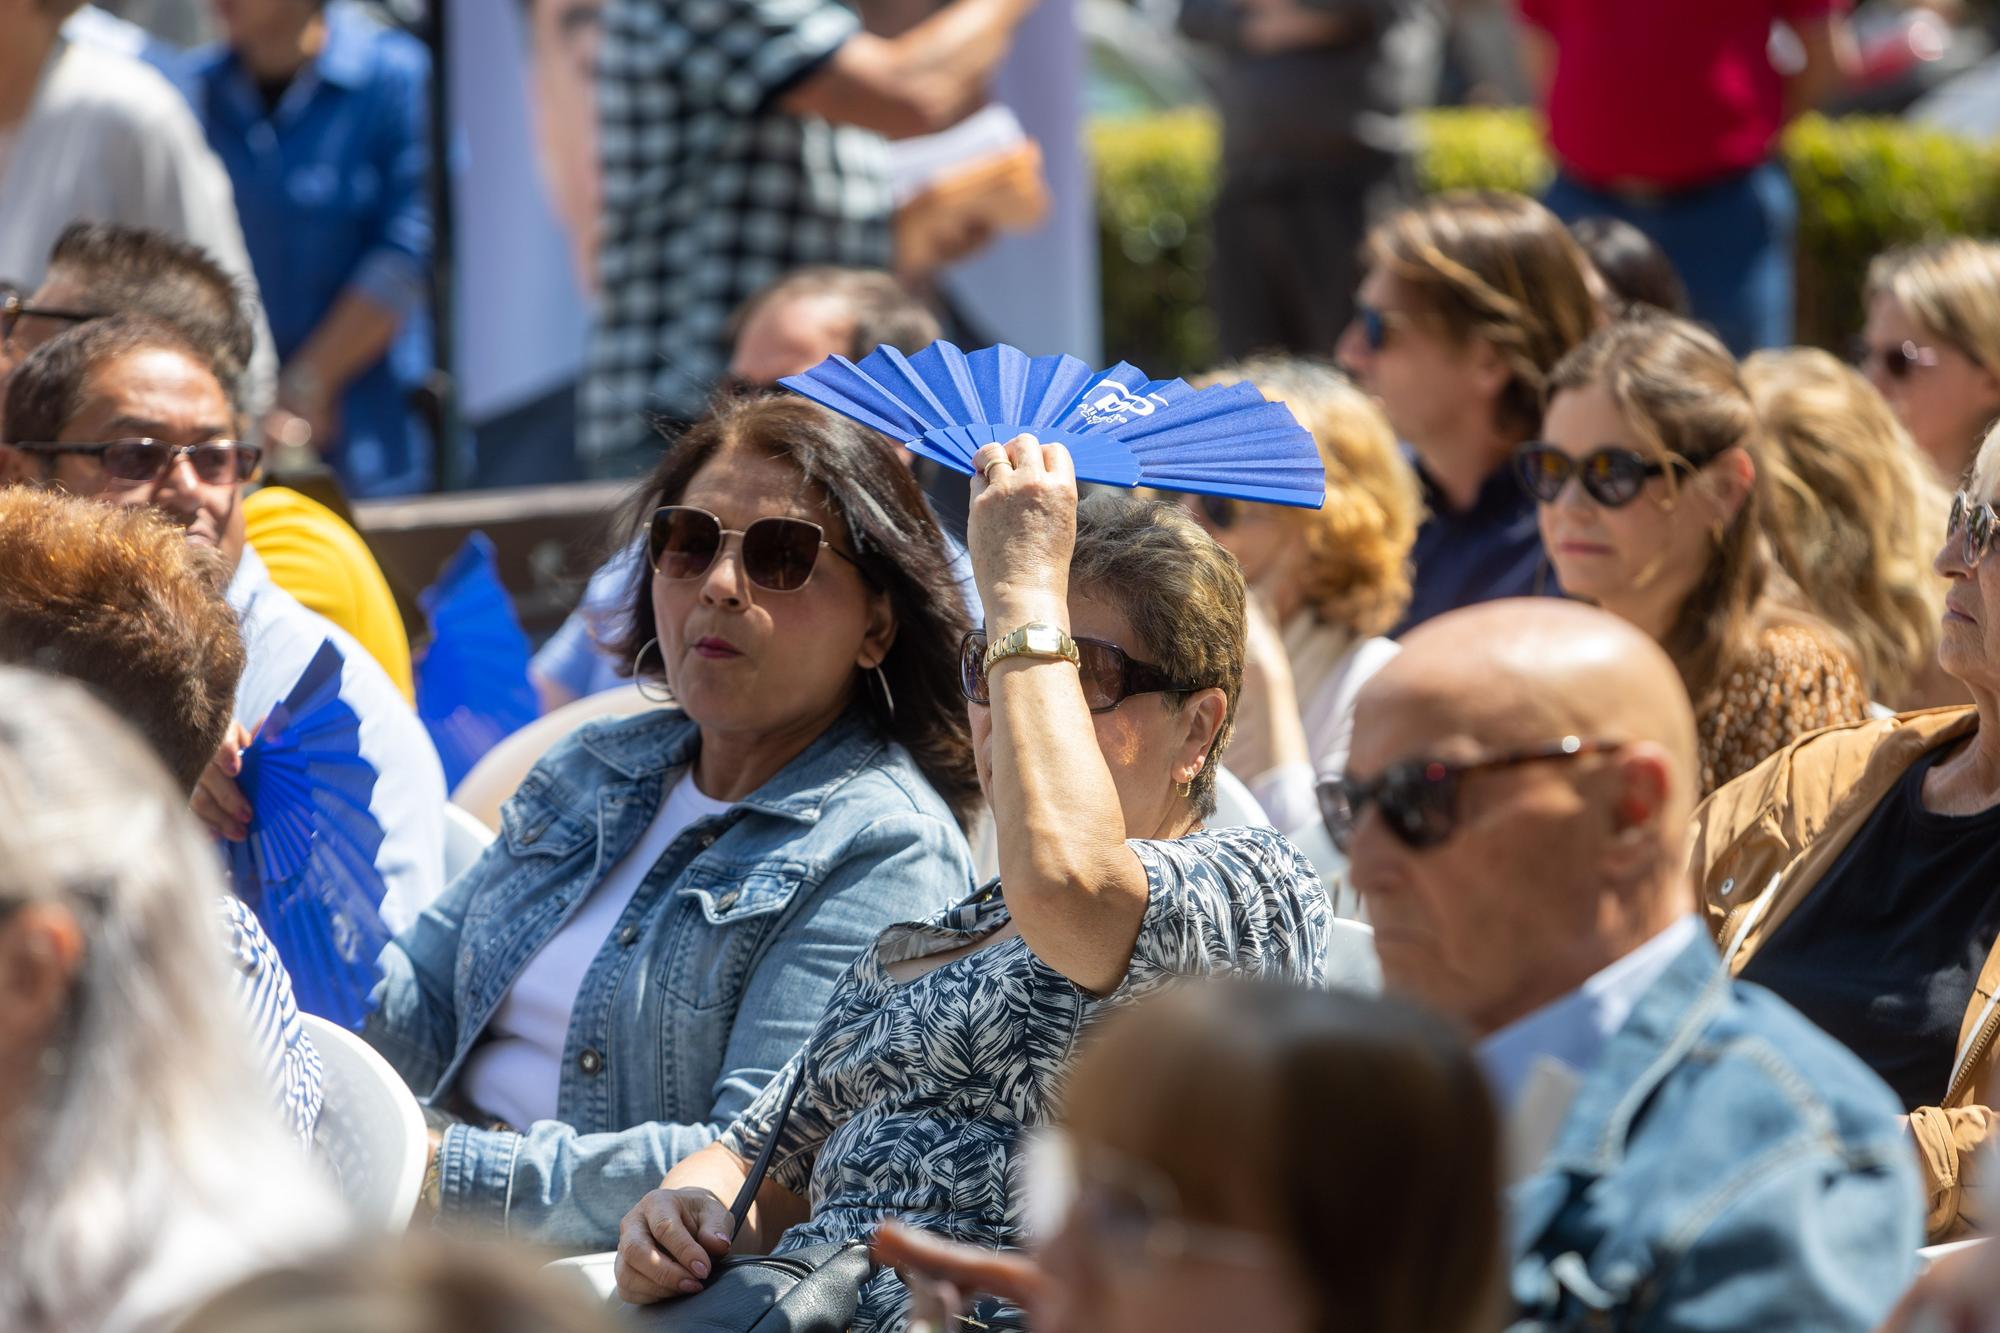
[[115, 598], [873, 497], [1358, 545], [1498, 267], [1852, 510], [1183, 594]]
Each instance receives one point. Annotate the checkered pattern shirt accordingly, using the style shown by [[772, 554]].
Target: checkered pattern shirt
[[710, 193]]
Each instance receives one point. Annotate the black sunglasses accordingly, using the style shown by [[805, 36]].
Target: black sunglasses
[[779, 554], [14, 308], [1376, 325], [1978, 522], [1109, 676], [216, 462], [1419, 797], [1221, 512], [1612, 476], [1897, 361]]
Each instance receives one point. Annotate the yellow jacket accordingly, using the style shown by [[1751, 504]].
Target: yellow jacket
[[1760, 844]]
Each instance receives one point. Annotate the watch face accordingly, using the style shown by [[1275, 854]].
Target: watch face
[[1042, 639]]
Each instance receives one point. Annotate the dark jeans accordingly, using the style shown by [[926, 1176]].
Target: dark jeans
[[1731, 242], [1288, 251]]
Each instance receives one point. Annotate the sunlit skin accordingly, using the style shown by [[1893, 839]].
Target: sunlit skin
[[1267, 549], [563, 36], [151, 393], [1946, 407], [1643, 559], [41, 952], [763, 673], [789, 335]]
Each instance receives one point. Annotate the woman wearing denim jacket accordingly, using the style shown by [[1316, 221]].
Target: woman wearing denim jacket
[[674, 895]]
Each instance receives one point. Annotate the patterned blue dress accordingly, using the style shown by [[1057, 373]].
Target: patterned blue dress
[[915, 1093]]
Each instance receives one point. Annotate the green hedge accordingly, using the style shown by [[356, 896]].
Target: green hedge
[[1863, 185]]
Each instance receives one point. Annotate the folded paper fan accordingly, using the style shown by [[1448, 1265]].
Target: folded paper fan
[[1122, 428], [307, 868], [473, 689]]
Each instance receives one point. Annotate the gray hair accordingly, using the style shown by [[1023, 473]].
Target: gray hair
[[149, 1103]]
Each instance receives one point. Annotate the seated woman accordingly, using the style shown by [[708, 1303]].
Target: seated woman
[[142, 1162], [1326, 584], [1853, 874], [674, 894], [1098, 754], [1932, 344], [1851, 510], [1220, 1164], [1651, 421]]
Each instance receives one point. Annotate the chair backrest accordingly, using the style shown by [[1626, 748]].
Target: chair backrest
[[1234, 805], [493, 779], [465, 838], [590, 1274], [1351, 961], [371, 1130]]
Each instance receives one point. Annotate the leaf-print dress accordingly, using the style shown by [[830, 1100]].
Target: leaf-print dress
[[915, 1093]]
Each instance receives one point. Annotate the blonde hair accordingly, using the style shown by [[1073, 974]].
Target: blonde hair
[[1951, 287], [1358, 545], [1498, 267], [1852, 511]]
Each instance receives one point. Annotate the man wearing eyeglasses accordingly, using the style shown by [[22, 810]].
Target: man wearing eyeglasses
[[1687, 1152], [132, 412]]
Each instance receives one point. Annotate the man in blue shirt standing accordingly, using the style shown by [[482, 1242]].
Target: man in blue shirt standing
[[320, 115]]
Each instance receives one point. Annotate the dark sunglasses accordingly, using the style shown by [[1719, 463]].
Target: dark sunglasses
[[216, 462], [1109, 676], [1977, 521], [1376, 325], [1221, 512], [779, 554], [14, 308], [1419, 797], [1896, 362], [1612, 476]]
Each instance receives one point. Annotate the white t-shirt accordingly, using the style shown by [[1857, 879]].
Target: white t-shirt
[[515, 1073]]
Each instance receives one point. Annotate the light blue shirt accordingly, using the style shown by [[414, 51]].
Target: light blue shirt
[[1574, 1029], [280, 638]]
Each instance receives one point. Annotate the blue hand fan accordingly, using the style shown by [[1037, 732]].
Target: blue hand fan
[[307, 868], [473, 689], [1122, 428]]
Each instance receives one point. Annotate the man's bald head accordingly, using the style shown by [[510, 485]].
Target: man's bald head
[[1554, 862]]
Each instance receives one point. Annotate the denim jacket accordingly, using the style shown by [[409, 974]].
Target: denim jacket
[[711, 978], [1724, 1166]]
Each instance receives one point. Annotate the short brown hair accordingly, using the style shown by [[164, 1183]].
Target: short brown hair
[[1358, 543], [1183, 594], [116, 599], [46, 391], [126, 270], [1501, 268], [885, 313]]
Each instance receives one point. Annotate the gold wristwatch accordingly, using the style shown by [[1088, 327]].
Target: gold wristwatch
[[1037, 638]]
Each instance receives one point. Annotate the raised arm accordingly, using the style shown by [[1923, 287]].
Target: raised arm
[[926, 80]]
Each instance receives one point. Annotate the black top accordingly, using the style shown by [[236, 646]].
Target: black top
[[1884, 953], [1492, 550]]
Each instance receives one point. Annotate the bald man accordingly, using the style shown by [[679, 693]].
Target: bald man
[[1688, 1153]]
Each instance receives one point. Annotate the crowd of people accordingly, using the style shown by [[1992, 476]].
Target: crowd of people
[[955, 885]]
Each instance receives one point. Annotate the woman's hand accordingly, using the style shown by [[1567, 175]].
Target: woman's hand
[[943, 1275], [666, 1242], [217, 801], [1022, 531]]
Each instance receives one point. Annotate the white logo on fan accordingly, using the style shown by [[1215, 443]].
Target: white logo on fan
[[1120, 404]]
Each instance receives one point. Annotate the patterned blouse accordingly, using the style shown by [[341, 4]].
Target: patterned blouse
[[914, 1093], [1798, 681]]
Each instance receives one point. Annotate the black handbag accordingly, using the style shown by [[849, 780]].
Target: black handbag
[[812, 1290]]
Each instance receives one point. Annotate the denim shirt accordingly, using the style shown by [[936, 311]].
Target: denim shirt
[[708, 982], [1724, 1165]]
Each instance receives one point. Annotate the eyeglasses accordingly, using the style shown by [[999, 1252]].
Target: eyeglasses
[[1896, 361], [1978, 522], [1376, 325], [1612, 476], [1221, 512], [779, 554], [14, 308], [1419, 798], [1121, 1207], [217, 462], [1109, 676]]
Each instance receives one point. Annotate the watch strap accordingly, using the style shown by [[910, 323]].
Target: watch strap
[[1037, 638]]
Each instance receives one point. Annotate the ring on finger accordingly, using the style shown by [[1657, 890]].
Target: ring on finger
[[991, 463]]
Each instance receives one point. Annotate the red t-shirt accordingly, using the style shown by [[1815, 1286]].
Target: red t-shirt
[[1669, 92]]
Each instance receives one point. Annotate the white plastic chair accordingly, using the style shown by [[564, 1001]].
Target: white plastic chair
[[1930, 1254], [493, 779], [1235, 807], [589, 1273], [371, 1130], [1351, 962], [465, 839]]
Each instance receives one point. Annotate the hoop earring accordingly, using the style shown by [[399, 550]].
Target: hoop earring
[[666, 696], [888, 699], [1185, 789]]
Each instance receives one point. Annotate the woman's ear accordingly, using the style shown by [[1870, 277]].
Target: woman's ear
[[1731, 476], [1203, 714], [881, 632], [1490, 371]]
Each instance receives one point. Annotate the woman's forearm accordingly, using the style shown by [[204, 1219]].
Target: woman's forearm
[[722, 1173]]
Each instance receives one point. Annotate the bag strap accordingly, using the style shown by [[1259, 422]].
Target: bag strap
[[755, 1180]]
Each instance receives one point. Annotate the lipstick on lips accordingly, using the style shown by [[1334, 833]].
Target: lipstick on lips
[[712, 647]]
